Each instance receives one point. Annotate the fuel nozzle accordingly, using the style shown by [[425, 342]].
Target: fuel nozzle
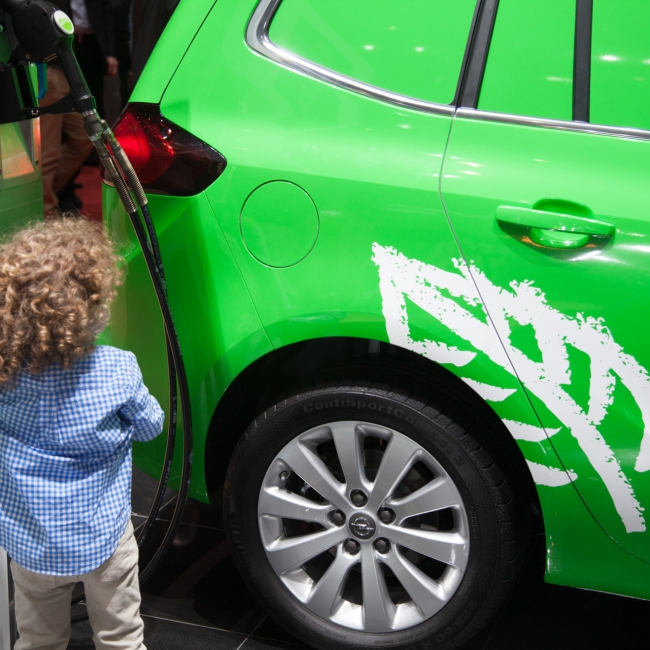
[[39, 26], [43, 32]]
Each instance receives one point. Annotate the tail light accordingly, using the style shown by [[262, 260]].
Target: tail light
[[166, 158]]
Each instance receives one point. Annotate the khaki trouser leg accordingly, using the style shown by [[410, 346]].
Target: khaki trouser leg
[[42, 610], [112, 598]]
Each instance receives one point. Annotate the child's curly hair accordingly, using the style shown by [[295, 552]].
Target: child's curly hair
[[57, 279]]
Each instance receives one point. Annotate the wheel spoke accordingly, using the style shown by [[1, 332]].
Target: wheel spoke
[[398, 459], [438, 494], [281, 503], [450, 548], [378, 608], [288, 553], [348, 448], [313, 470], [325, 596], [427, 594]]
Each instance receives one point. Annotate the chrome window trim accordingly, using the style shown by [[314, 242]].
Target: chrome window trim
[[560, 125], [257, 37]]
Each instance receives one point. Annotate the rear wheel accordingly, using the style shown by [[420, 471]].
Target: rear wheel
[[361, 517]]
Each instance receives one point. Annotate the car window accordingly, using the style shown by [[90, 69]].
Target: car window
[[415, 49], [529, 70], [620, 63]]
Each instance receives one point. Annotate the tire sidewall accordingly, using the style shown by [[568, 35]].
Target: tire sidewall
[[445, 440]]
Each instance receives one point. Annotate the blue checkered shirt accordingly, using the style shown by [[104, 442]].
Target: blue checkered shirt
[[65, 460]]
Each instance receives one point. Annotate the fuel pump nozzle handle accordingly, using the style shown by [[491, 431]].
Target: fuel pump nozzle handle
[[44, 31]]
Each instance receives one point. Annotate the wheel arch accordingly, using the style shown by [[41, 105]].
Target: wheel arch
[[274, 375]]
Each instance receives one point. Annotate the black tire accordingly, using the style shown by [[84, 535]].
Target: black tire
[[486, 496]]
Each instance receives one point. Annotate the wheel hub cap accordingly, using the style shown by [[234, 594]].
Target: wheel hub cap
[[363, 526]]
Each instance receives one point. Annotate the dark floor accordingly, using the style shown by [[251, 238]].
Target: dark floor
[[196, 600]]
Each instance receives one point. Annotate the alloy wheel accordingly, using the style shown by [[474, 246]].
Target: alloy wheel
[[363, 526]]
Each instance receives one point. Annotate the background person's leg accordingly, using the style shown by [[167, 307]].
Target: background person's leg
[[51, 133], [74, 150], [51, 129]]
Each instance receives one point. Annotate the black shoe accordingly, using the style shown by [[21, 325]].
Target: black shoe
[[70, 202]]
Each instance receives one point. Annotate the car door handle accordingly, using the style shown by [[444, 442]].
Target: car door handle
[[554, 229]]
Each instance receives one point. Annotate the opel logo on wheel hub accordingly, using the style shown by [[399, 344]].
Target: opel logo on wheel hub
[[362, 526]]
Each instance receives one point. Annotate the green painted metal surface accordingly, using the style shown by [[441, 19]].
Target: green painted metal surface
[[169, 50], [387, 265], [585, 356], [220, 336], [416, 51], [581, 554], [529, 69], [279, 224], [620, 63], [385, 253], [338, 146]]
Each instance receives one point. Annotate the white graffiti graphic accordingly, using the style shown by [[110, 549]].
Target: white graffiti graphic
[[449, 297]]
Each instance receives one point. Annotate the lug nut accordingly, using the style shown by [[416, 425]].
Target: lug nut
[[386, 515], [382, 545], [337, 518], [351, 546], [358, 498], [283, 476]]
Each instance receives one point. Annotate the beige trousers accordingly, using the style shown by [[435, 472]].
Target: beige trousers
[[60, 160], [112, 598]]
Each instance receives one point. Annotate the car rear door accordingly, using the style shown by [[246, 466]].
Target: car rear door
[[545, 181], [334, 120]]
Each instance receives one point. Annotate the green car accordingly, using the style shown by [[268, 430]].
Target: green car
[[407, 250]]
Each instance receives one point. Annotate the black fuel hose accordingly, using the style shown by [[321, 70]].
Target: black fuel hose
[[177, 372], [148, 241], [122, 176]]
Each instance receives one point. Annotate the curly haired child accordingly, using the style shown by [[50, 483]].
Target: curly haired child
[[69, 412]]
